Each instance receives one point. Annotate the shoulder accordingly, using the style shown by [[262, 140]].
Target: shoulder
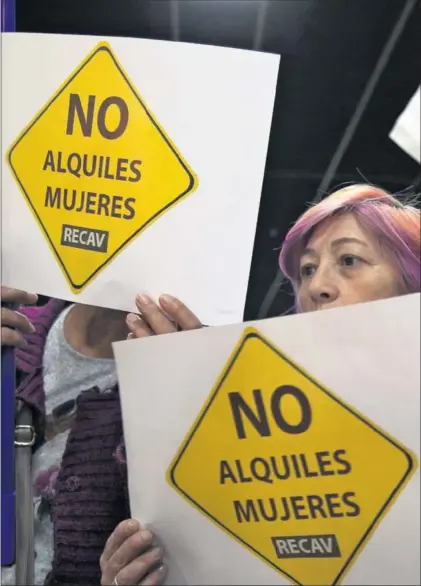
[[29, 357], [49, 311]]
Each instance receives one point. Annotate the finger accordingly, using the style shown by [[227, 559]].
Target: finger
[[140, 567], [14, 319], [12, 338], [155, 577], [138, 327], [179, 313], [122, 532], [9, 295], [152, 314], [129, 551]]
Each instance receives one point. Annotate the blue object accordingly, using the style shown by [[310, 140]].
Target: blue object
[[7, 456], [8, 16], [8, 384]]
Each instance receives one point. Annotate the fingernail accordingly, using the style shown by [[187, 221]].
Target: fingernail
[[143, 299], [146, 535], [32, 327], [132, 318], [130, 336], [167, 299], [161, 569], [32, 297], [157, 552], [133, 524]]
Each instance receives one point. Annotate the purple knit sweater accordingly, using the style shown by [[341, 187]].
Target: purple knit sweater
[[91, 491]]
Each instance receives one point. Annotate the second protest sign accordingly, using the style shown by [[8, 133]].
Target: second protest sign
[[292, 456]]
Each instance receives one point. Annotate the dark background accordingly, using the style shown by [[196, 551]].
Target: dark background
[[348, 69]]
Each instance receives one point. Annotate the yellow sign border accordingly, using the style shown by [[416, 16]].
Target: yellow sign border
[[247, 334], [193, 180]]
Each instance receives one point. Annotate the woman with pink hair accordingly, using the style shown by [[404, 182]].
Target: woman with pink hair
[[359, 244]]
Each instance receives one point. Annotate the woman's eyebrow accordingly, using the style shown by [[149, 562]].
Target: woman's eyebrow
[[335, 244], [308, 251], [347, 240]]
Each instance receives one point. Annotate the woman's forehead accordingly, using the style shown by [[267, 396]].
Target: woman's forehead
[[337, 227]]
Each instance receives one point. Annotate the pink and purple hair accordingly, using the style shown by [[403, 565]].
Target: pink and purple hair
[[395, 225]]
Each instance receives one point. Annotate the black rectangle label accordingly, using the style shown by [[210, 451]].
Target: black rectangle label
[[307, 546], [85, 238]]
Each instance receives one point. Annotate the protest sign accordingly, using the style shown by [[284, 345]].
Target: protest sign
[[133, 166], [284, 451]]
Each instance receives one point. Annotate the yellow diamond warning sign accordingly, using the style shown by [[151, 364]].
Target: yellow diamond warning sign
[[96, 167], [286, 468]]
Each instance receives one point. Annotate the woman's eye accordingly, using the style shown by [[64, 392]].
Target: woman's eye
[[349, 260], [307, 270]]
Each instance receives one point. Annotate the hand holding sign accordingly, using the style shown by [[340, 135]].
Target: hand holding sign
[[129, 557], [13, 322], [162, 319]]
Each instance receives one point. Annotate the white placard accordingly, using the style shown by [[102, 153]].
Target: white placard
[[406, 131], [367, 355], [194, 135]]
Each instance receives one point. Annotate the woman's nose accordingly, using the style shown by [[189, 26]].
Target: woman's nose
[[323, 287]]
